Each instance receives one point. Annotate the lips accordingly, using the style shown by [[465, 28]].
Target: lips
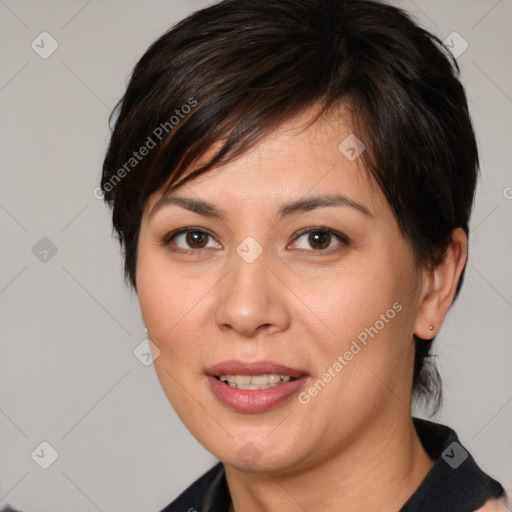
[[236, 367], [254, 400]]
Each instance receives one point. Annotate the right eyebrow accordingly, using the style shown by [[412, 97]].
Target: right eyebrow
[[195, 205]]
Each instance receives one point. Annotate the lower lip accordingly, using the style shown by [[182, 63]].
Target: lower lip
[[254, 400]]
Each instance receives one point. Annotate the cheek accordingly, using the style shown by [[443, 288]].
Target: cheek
[[366, 354], [167, 293], [367, 314], [352, 301], [167, 305], [171, 308]]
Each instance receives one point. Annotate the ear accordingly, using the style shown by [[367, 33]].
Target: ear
[[439, 286]]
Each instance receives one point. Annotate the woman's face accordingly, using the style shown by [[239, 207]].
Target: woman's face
[[291, 264]]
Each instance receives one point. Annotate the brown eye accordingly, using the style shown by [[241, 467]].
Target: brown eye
[[319, 240], [190, 239], [196, 239]]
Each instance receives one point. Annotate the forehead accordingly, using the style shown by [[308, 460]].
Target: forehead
[[324, 133], [298, 158]]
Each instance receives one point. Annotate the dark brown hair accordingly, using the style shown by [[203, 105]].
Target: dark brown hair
[[234, 71]]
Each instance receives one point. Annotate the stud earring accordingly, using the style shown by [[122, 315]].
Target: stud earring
[[431, 327]]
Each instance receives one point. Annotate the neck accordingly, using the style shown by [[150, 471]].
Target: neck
[[379, 471]]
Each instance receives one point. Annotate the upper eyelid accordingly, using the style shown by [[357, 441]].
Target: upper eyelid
[[171, 236], [342, 238], [321, 229]]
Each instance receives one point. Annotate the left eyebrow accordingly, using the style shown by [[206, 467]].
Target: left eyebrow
[[310, 203], [291, 208]]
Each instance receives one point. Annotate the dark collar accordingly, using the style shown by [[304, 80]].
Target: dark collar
[[454, 484]]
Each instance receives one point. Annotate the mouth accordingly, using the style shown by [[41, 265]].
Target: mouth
[[264, 381], [254, 386]]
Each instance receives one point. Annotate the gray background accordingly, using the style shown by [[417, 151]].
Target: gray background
[[69, 325]]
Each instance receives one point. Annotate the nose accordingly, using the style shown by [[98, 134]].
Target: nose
[[252, 300]]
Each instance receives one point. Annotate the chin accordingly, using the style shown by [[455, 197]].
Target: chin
[[256, 453]]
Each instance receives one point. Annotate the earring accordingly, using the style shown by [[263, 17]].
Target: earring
[[431, 327]]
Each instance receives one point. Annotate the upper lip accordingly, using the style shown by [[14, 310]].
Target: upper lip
[[237, 367]]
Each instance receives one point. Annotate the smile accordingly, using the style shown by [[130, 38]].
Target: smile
[[255, 381], [255, 386]]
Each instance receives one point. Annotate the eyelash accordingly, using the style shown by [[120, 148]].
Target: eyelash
[[340, 237]]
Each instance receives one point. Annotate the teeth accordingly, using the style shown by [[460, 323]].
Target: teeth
[[243, 380], [255, 381]]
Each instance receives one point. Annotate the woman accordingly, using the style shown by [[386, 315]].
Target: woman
[[291, 183]]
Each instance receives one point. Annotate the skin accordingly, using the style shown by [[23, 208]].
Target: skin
[[302, 306]]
